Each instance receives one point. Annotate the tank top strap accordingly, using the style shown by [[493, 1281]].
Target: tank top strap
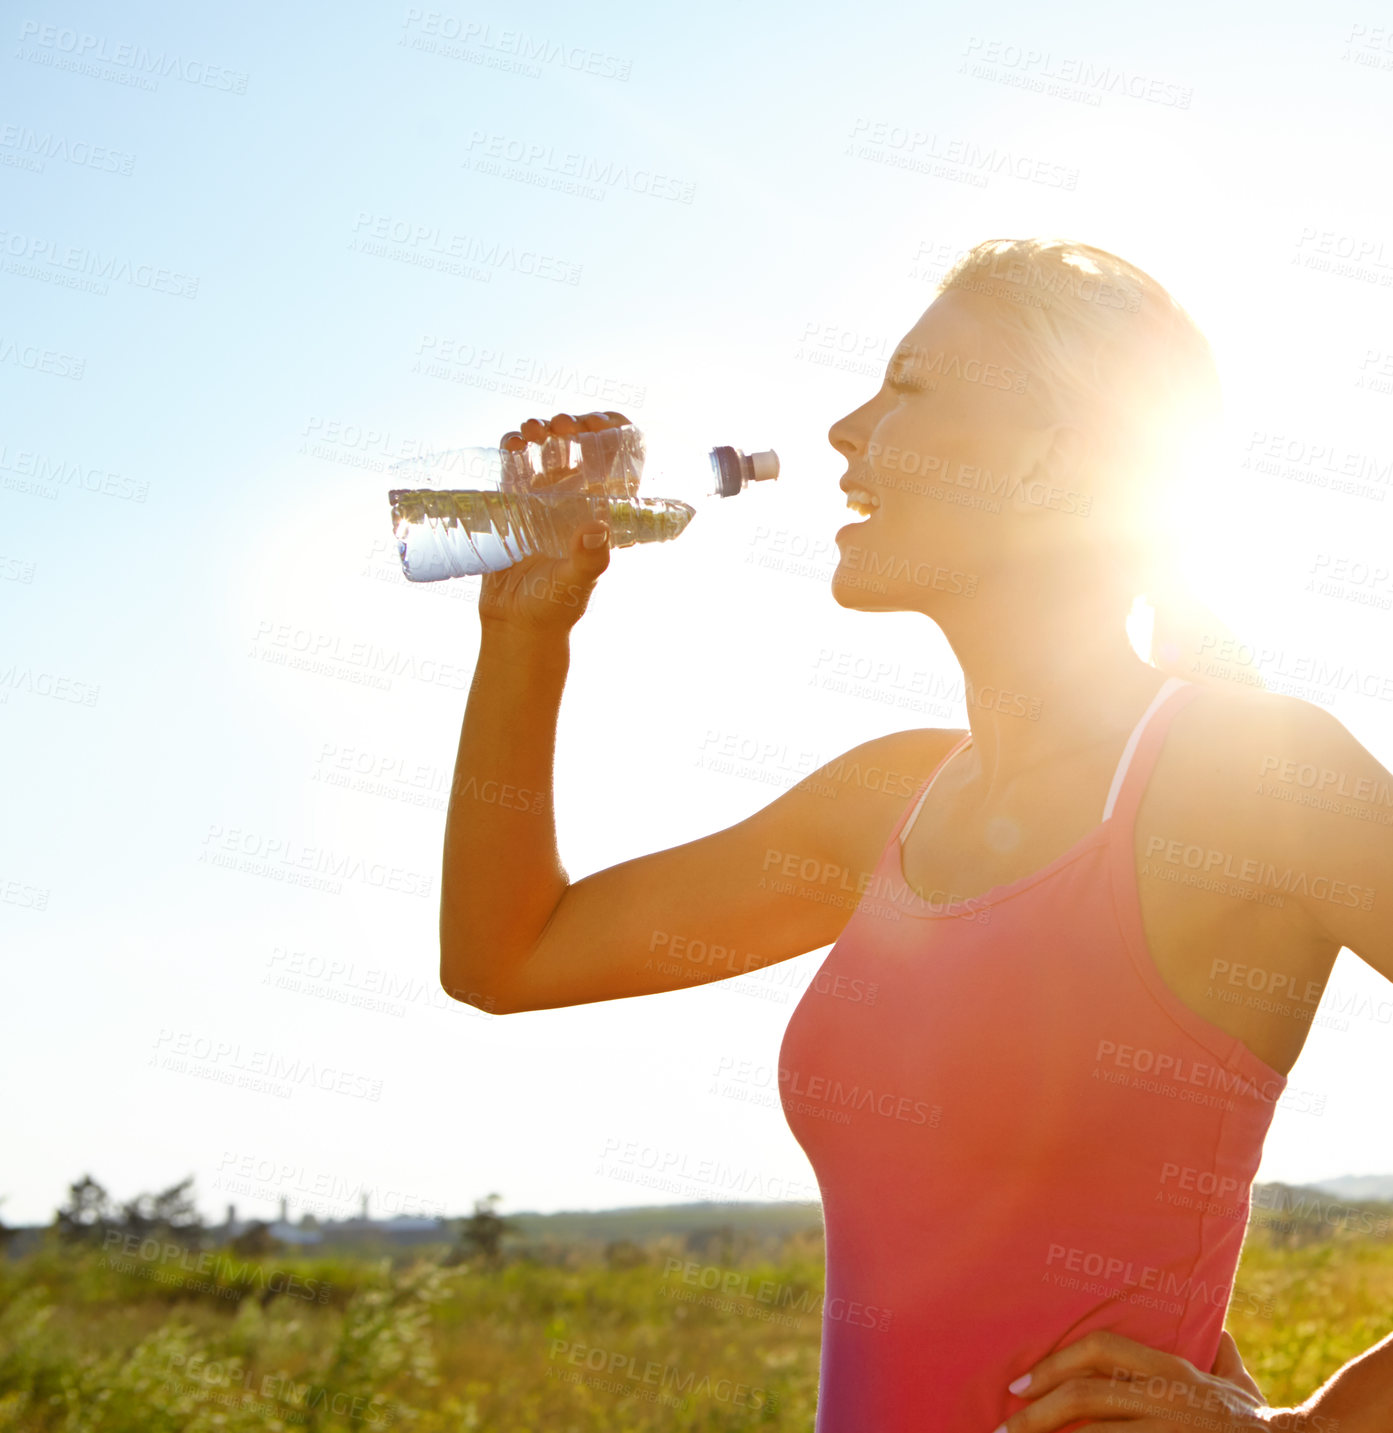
[[1143, 747], [1133, 766], [912, 810]]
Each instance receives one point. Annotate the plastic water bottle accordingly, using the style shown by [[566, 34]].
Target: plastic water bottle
[[465, 511]]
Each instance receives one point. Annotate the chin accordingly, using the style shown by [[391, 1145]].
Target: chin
[[851, 589]]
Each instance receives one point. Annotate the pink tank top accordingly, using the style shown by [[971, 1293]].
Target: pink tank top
[[1019, 1131]]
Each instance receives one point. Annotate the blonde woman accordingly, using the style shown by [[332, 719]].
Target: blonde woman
[[1035, 1143]]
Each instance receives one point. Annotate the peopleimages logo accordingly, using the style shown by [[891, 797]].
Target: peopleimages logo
[[1151, 1285], [514, 50], [47, 684], [572, 165], [365, 663], [1253, 870], [432, 247], [283, 859], [500, 371], [31, 149], [76, 266], [1069, 76], [85, 53], [38, 359], [904, 147], [50, 472]]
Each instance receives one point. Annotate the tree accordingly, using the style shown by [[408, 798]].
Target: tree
[[87, 1215], [171, 1212], [481, 1235], [90, 1212]]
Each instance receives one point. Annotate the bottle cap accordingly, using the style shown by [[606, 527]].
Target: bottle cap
[[733, 469], [764, 465]]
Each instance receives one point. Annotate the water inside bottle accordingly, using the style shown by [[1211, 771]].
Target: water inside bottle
[[462, 534], [465, 511]]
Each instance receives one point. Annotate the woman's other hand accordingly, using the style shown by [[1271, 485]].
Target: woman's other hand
[[1104, 1379]]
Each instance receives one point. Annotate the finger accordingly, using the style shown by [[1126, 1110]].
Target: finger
[[594, 538], [1226, 1361], [556, 453], [618, 419], [587, 557], [1076, 1401], [534, 430], [513, 442], [1100, 1353], [564, 425], [1228, 1365], [1131, 1425], [594, 422]]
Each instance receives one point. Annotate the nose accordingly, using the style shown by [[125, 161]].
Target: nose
[[848, 434]]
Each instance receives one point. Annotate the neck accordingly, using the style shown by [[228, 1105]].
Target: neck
[[1045, 680]]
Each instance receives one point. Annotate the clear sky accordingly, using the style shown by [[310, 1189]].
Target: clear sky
[[252, 254]]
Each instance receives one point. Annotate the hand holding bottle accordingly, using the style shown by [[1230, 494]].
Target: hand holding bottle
[[542, 594], [597, 454]]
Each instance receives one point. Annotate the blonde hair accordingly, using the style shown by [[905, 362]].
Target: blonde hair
[[1109, 351]]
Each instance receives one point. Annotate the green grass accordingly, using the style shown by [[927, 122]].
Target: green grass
[[1330, 1300], [86, 1347]]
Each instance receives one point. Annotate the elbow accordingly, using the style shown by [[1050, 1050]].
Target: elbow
[[467, 991], [485, 1001]]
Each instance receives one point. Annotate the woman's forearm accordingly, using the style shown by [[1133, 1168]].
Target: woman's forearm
[[1357, 1399], [502, 874]]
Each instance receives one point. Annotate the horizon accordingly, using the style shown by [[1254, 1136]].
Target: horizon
[[232, 1214]]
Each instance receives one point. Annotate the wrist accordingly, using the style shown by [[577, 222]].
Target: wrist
[[518, 645]]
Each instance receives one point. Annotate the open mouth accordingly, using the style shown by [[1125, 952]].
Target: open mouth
[[861, 501]]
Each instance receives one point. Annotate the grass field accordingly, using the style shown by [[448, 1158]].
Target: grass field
[[154, 1342]]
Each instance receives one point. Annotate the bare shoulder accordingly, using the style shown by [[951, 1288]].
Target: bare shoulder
[[1227, 742], [852, 802], [889, 768], [1277, 789], [1260, 736]]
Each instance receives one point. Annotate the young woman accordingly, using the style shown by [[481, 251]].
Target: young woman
[[1031, 1087]]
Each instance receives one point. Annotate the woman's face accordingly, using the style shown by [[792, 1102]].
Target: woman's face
[[953, 451]]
